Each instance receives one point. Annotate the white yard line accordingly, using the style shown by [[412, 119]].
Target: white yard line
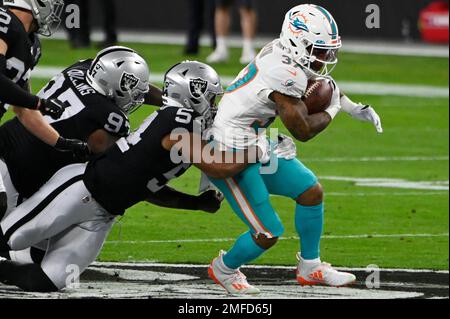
[[385, 182], [353, 46], [139, 264], [359, 236], [392, 89], [46, 72], [365, 194], [377, 159]]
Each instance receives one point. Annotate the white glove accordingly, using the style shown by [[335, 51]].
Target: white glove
[[368, 114], [285, 148], [335, 104], [263, 144], [362, 112]]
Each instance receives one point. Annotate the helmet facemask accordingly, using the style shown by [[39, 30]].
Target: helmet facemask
[[319, 60], [130, 101], [210, 106], [47, 14]]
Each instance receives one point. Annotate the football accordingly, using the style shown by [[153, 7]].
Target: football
[[318, 95]]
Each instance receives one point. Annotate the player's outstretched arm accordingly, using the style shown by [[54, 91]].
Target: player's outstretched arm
[[154, 96], [294, 115], [208, 201], [362, 112], [214, 163], [35, 123]]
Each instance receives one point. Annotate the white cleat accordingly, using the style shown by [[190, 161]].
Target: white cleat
[[3, 259], [234, 283], [247, 57], [322, 274], [218, 56]]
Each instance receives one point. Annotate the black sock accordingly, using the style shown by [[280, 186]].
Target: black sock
[[3, 242], [5, 254], [37, 255], [3, 204], [28, 277]]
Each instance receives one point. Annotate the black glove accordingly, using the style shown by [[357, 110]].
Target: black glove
[[209, 201], [79, 149], [52, 107]]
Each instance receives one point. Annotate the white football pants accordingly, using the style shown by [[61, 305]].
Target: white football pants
[[64, 212]]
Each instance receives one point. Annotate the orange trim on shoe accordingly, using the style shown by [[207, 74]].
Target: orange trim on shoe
[[304, 282], [214, 278]]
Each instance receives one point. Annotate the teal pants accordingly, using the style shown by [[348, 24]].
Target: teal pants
[[248, 193]]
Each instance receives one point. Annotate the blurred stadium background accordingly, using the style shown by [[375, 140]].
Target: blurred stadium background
[[387, 196]]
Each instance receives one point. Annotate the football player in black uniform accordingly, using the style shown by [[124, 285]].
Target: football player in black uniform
[[89, 116], [137, 168], [20, 22]]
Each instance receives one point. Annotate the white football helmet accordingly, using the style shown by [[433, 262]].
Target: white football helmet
[[311, 36], [122, 75], [47, 13]]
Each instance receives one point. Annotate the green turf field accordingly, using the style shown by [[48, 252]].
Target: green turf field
[[414, 148]]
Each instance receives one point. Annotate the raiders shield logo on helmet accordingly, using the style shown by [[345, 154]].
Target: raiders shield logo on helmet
[[128, 82], [198, 87]]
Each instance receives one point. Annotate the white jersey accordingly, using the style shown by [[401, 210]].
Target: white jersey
[[246, 110]]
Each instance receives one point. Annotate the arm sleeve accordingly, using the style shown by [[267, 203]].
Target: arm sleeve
[[13, 94], [285, 80]]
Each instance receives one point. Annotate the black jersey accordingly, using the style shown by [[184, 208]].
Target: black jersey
[[30, 161], [24, 49], [138, 165]]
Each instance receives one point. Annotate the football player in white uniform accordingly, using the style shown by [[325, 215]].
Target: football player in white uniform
[[273, 85]]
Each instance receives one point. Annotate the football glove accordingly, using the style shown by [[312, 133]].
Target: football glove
[[210, 201], [52, 107], [368, 114], [285, 148], [264, 150], [79, 149]]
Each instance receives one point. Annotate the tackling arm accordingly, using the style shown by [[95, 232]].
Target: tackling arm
[[36, 124], [294, 115], [168, 197], [214, 163], [154, 96]]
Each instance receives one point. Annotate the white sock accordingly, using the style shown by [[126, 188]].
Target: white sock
[[310, 262], [224, 268], [222, 45]]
